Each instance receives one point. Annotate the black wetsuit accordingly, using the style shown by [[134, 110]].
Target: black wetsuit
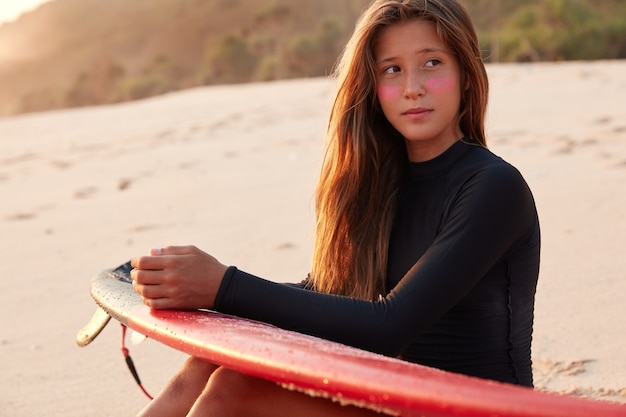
[[463, 267]]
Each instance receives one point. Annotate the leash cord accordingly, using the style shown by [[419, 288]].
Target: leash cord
[[130, 364]]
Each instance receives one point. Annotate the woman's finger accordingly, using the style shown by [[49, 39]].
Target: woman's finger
[[158, 303], [154, 296], [174, 250], [148, 262], [162, 258], [147, 277], [152, 292]]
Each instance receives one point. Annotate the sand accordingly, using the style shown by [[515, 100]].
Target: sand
[[232, 169]]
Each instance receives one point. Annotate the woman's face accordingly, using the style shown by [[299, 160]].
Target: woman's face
[[419, 91]]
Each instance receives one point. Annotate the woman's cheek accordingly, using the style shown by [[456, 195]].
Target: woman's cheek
[[440, 85], [388, 92]]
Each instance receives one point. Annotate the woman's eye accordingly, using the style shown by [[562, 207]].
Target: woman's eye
[[432, 63], [392, 69]]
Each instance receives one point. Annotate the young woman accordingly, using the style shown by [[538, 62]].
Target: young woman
[[427, 244]]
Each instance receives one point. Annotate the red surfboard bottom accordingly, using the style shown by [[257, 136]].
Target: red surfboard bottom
[[319, 367], [323, 368]]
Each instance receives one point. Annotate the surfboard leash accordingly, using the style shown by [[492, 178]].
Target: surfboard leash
[[130, 364]]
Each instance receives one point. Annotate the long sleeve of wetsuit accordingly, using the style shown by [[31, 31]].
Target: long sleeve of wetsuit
[[489, 213]]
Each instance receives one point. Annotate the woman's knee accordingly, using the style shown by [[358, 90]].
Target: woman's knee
[[179, 395], [197, 365], [230, 392], [227, 383], [192, 376]]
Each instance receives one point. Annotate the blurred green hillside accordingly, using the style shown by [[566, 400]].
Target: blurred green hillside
[[71, 53]]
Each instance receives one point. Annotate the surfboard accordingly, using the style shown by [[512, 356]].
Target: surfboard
[[323, 368]]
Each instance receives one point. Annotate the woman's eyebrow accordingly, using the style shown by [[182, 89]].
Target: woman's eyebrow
[[386, 60], [420, 52], [431, 50]]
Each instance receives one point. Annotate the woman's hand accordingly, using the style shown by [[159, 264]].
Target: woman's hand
[[177, 277]]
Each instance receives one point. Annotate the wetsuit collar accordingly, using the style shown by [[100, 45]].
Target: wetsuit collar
[[439, 164]]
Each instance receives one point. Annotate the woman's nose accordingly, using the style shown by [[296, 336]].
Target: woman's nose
[[414, 86]]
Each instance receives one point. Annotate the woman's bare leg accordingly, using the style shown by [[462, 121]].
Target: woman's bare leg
[[182, 390], [229, 393]]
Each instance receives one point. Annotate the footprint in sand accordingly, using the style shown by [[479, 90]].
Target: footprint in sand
[[604, 120], [566, 145], [590, 392], [18, 159], [148, 227], [165, 136], [17, 217], [85, 192], [124, 184], [28, 215], [61, 164], [225, 122], [285, 246], [545, 370]]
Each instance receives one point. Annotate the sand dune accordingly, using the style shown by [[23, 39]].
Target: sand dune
[[232, 169]]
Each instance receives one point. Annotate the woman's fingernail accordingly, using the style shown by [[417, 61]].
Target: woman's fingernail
[[156, 252]]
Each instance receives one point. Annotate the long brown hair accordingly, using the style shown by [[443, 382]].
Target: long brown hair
[[366, 157]]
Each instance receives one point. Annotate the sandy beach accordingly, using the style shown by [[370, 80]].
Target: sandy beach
[[232, 169]]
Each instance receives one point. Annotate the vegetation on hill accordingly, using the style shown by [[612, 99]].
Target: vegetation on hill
[[70, 53], [551, 30]]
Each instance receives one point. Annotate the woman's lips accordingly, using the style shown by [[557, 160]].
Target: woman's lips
[[417, 113]]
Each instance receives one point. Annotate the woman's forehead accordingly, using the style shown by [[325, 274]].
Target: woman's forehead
[[414, 36]]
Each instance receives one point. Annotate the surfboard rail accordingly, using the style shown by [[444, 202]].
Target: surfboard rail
[[342, 373]]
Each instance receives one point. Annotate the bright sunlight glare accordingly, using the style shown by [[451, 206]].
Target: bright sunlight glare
[[11, 9]]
